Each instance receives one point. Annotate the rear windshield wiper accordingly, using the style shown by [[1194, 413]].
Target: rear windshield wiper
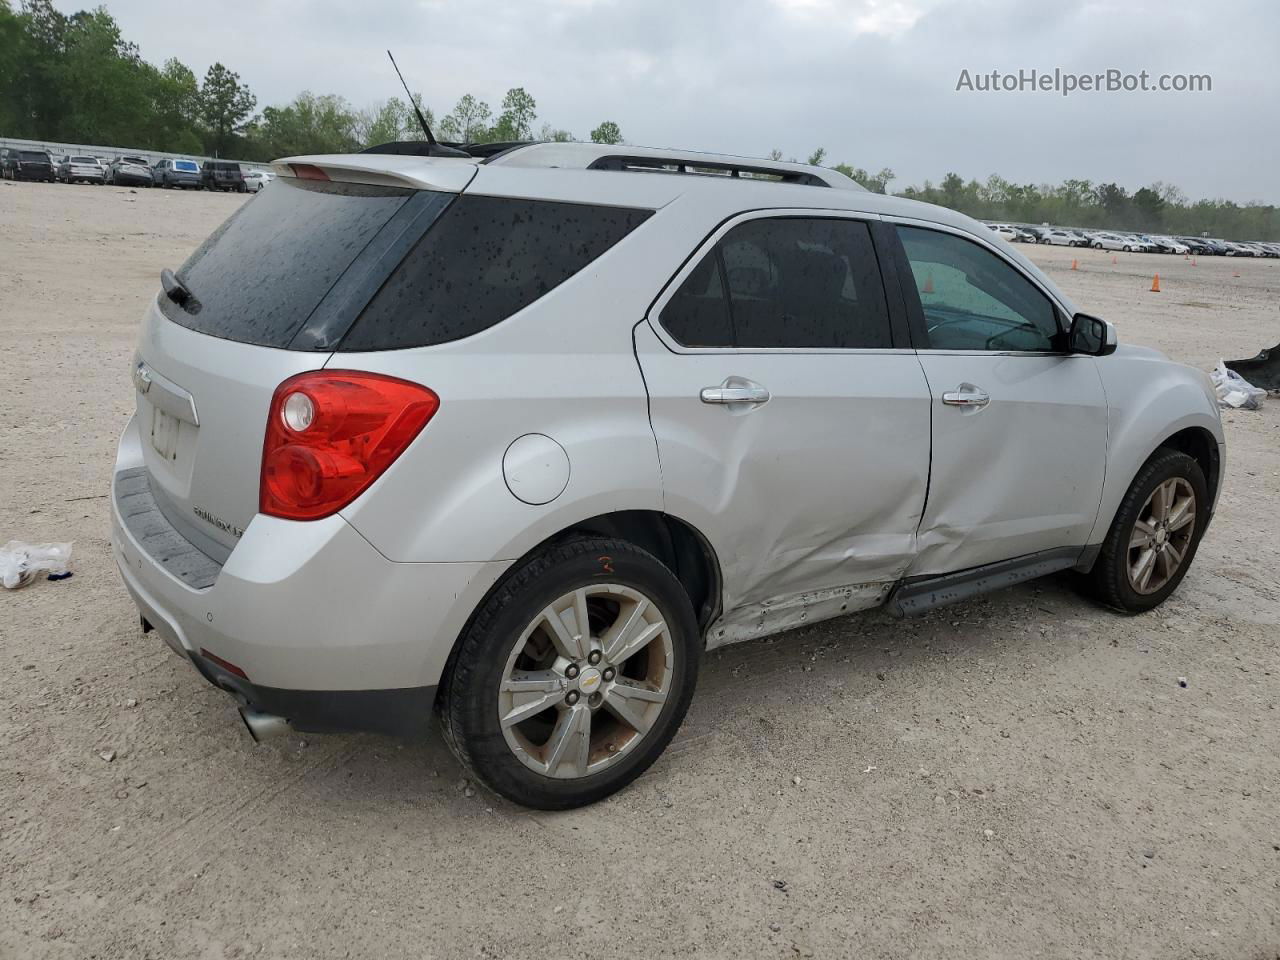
[[177, 292]]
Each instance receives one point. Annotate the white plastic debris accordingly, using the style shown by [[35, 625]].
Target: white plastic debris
[[1235, 391], [20, 563]]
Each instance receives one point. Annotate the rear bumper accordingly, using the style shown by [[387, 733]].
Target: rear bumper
[[131, 179], [404, 712], [305, 610]]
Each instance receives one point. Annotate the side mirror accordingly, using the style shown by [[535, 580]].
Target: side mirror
[[1091, 335]]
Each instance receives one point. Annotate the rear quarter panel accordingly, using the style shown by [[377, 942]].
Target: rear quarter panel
[[563, 367]]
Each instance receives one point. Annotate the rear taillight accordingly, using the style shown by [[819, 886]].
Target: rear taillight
[[331, 433]]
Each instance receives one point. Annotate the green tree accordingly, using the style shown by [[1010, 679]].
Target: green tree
[[607, 132], [225, 105], [516, 120], [468, 122], [816, 158]]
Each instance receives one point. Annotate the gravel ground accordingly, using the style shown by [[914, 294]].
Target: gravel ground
[[1018, 776]]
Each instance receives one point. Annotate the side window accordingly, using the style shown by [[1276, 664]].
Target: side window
[[485, 259], [974, 300], [698, 314], [792, 282]]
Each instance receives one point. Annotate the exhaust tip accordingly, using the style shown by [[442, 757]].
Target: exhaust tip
[[263, 726]]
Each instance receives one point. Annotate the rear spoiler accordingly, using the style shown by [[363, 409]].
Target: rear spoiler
[[446, 174]]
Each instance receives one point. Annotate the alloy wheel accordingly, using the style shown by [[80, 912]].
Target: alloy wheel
[[586, 681], [1161, 536]]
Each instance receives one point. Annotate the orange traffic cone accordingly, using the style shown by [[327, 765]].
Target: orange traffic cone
[[928, 284], [1074, 265], [1155, 283]]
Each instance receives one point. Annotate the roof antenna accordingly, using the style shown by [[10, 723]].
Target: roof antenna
[[431, 137], [433, 148]]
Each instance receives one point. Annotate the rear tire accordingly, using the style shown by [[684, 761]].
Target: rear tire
[[1150, 545], [604, 706]]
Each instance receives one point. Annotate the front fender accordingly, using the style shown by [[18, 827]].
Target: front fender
[[1149, 400]]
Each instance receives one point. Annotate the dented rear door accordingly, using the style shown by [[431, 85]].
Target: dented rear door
[[799, 449]]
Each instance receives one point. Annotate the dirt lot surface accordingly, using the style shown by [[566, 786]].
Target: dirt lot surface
[[1018, 776]]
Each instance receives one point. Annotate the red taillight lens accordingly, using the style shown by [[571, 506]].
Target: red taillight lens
[[331, 433]]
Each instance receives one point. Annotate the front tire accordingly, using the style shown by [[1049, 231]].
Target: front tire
[[1154, 535], [553, 716]]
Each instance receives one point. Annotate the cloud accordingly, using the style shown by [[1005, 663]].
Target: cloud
[[873, 81]]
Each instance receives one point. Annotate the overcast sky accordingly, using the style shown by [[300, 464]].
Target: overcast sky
[[873, 81]]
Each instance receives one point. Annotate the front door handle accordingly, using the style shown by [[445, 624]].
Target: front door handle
[[966, 395], [735, 390]]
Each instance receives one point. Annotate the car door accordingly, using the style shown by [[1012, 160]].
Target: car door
[[791, 416], [1019, 424]]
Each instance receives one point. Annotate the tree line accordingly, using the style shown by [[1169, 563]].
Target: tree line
[[75, 78]]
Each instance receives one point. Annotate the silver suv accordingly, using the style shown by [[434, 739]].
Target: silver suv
[[516, 438]]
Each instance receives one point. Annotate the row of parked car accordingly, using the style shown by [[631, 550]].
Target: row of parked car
[[1134, 242], [131, 171]]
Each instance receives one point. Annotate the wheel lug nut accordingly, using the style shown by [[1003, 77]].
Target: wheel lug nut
[[594, 699], [571, 697], [571, 671], [594, 657], [608, 674]]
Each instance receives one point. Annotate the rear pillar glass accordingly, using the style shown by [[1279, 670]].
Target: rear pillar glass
[[485, 259]]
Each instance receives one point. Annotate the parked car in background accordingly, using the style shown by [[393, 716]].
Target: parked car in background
[[130, 172], [325, 511], [1023, 235], [1002, 231], [1273, 249], [16, 164], [81, 169], [1198, 246], [1235, 249], [1059, 238], [1103, 240], [1260, 249], [255, 180], [1165, 244], [176, 173], [222, 175]]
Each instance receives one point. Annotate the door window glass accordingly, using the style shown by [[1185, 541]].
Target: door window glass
[[974, 300], [792, 282]]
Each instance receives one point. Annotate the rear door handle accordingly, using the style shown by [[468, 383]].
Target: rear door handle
[[966, 395], [736, 393]]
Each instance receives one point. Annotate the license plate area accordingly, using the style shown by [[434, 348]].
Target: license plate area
[[164, 434]]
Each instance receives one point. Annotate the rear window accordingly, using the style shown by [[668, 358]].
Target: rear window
[[187, 165], [485, 259], [261, 274], [223, 165], [88, 160], [32, 156]]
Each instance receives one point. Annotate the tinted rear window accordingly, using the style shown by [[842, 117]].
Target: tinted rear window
[[483, 260], [261, 274], [186, 165], [32, 156]]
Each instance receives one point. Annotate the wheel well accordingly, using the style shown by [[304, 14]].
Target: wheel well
[[679, 546], [1201, 446]]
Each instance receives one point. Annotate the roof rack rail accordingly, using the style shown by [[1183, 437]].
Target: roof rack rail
[[678, 165]]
